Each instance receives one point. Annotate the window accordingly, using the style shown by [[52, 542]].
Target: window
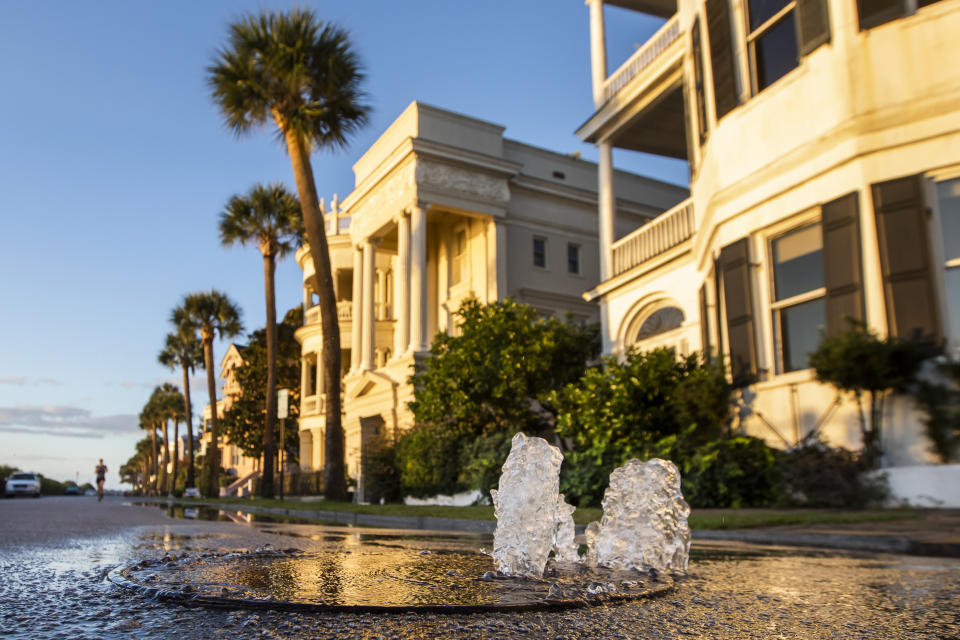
[[799, 312], [697, 51], [458, 262], [772, 40], [660, 321], [540, 252], [573, 258], [948, 198]]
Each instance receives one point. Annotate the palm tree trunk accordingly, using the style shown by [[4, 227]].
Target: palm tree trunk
[[212, 459], [176, 455], [165, 483], [334, 475], [153, 463], [269, 269], [187, 412]]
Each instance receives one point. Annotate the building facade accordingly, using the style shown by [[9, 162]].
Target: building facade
[[823, 140], [445, 209], [231, 457]]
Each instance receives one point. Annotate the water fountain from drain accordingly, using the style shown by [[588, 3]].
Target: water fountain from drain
[[644, 523], [642, 533]]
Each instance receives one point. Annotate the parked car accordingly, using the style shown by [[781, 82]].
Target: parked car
[[71, 490], [192, 492], [23, 483]]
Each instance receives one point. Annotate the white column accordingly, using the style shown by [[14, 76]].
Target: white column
[[368, 322], [607, 209], [418, 278], [598, 50], [357, 309], [401, 279], [382, 290]]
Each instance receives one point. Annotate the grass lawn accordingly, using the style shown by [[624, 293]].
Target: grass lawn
[[699, 519]]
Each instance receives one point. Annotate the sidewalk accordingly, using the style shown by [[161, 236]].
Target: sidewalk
[[935, 532]]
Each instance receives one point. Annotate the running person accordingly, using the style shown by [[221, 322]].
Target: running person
[[101, 470]]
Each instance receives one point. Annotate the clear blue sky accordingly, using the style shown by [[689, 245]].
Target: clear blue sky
[[114, 166]]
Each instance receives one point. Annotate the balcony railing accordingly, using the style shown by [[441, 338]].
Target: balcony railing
[[336, 223], [642, 57], [666, 231], [344, 312]]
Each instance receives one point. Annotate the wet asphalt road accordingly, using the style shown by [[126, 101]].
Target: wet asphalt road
[[55, 553]]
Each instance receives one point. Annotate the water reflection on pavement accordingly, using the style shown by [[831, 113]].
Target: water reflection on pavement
[[56, 589]]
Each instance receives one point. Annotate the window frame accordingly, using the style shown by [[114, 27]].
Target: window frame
[[575, 246], [776, 307], [533, 255], [752, 35]]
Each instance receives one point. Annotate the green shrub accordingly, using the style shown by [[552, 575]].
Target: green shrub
[[652, 404], [380, 470], [818, 475], [482, 460], [733, 472], [428, 459]]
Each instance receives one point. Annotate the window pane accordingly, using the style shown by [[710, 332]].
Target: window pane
[[763, 10], [539, 252], [953, 310], [660, 321], [776, 52], [798, 262], [800, 327], [573, 258], [948, 193]]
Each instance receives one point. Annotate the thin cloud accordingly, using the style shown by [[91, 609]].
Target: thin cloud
[[22, 381], [64, 421]]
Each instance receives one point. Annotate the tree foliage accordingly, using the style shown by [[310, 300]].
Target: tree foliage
[[652, 404], [489, 378], [243, 422], [861, 363]]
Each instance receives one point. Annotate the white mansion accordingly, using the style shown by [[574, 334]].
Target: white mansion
[[444, 209], [823, 139]]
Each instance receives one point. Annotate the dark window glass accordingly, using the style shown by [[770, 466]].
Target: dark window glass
[[539, 252], [800, 328], [948, 194], [798, 262], [763, 10], [573, 258], [776, 52], [660, 321], [875, 12]]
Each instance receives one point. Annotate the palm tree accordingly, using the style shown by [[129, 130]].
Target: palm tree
[[182, 349], [269, 216], [171, 408], [210, 313], [148, 421], [302, 74]]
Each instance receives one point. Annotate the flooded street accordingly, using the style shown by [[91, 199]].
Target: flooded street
[[55, 554]]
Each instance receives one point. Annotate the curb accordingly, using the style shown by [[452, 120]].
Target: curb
[[847, 542]]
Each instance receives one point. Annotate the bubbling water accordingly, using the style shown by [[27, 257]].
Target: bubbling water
[[644, 524]]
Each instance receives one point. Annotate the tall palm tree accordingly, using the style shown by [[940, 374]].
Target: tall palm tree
[[182, 349], [171, 409], [209, 313], [270, 216], [148, 421], [303, 75]]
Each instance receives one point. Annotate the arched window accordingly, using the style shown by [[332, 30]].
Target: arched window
[[645, 326]]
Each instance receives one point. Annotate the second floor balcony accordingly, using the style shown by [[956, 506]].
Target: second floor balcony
[[665, 232], [640, 105], [344, 312]]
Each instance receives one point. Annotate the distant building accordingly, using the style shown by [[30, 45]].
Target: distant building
[[231, 457], [445, 209], [823, 138]]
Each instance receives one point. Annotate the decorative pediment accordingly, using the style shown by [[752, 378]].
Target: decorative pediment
[[369, 383]]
